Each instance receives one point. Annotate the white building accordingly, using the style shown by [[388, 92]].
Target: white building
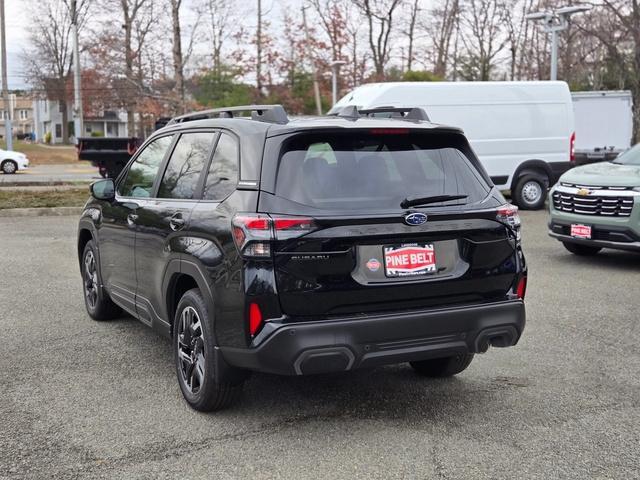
[[48, 121]]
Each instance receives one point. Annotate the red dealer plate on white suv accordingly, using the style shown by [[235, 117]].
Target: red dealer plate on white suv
[[406, 260], [580, 231]]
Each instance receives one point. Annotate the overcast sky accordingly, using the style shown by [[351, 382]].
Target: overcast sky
[[16, 20]]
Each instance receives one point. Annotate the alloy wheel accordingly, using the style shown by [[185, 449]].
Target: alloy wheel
[[191, 350], [90, 280]]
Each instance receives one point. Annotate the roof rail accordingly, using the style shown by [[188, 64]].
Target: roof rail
[[260, 113], [402, 113]]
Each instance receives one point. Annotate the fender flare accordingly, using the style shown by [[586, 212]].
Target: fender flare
[[223, 371], [86, 223], [532, 167], [188, 267]]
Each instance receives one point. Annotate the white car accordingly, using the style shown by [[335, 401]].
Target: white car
[[11, 162]]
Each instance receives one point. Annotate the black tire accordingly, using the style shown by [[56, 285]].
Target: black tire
[[98, 303], [443, 367], [193, 346], [582, 250], [531, 191], [9, 167]]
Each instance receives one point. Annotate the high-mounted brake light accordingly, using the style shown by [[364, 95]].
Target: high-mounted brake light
[[572, 148], [255, 318], [253, 233], [389, 131]]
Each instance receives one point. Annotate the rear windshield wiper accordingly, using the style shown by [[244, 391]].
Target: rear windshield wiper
[[415, 201]]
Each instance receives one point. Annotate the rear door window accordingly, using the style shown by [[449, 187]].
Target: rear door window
[[223, 173], [144, 169], [364, 171], [185, 165]]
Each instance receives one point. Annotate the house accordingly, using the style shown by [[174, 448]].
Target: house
[[49, 117], [22, 119]]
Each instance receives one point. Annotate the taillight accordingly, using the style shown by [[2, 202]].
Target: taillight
[[522, 287], [508, 214], [255, 318], [572, 148], [253, 233]]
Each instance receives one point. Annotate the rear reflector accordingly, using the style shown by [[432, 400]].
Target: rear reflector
[[521, 290], [255, 318]]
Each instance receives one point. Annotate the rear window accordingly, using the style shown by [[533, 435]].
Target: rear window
[[365, 170]]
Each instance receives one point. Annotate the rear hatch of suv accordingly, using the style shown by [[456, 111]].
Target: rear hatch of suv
[[381, 220]]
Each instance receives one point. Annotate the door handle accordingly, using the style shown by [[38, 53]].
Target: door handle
[[176, 222], [131, 219]]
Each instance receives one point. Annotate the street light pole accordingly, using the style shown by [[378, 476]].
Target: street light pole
[[78, 111], [556, 21], [5, 88], [554, 55], [335, 70]]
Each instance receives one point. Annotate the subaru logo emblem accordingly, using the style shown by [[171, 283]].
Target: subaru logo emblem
[[416, 218]]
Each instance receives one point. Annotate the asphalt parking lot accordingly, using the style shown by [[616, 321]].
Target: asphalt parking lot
[[82, 399]]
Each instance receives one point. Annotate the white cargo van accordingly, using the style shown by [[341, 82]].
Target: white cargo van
[[523, 132], [604, 124]]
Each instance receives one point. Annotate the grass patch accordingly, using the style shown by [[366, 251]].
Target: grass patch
[[67, 197], [44, 154]]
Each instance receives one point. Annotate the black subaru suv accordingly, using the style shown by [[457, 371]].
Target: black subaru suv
[[295, 247]]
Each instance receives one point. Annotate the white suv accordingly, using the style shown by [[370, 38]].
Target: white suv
[[11, 162]]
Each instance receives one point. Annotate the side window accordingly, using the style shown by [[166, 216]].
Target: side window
[[143, 171], [185, 165], [223, 172]]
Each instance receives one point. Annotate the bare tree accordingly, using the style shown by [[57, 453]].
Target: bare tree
[[219, 13], [482, 37], [259, 44], [518, 31], [178, 61], [332, 15], [50, 59], [441, 26], [379, 17], [413, 12], [623, 42]]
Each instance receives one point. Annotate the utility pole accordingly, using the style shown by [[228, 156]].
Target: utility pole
[[78, 111], [335, 70], [554, 22], [316, 87], [5, 88]]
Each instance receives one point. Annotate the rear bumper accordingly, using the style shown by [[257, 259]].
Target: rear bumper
[[339, 345]]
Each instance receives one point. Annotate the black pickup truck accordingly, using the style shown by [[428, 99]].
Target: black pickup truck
[[109, 154]]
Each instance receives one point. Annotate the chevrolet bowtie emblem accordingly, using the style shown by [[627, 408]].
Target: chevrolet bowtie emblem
[[584, 191]]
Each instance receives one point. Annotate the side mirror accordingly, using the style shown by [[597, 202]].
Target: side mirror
[[103, 189]]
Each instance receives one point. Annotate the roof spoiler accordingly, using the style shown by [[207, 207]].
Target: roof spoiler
[[259, 113], [401, 113]]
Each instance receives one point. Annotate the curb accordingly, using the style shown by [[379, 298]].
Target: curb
[[40, 212], [54, 183]]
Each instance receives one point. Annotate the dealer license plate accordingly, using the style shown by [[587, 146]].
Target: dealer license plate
[[580, 231], [409, 259]]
